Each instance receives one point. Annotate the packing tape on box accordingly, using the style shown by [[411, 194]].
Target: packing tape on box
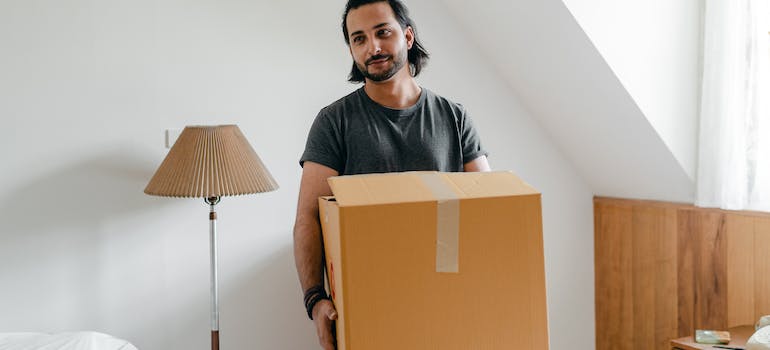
[[447, 223]]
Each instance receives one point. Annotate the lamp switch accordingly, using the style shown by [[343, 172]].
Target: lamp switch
[[171, 136]]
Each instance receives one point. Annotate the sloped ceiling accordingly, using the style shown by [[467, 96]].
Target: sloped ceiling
[[542, 52]]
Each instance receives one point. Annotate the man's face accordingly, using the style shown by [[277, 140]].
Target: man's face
[[377, 43]]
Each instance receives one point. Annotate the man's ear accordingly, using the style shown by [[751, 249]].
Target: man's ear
[[409, 34]]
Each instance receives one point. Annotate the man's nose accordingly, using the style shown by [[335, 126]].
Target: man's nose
[[374, 47]]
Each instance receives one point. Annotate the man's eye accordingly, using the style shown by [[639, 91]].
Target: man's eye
[[358, 39], [384, 32]]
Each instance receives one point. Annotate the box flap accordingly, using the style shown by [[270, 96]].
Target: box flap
[[369, 189]]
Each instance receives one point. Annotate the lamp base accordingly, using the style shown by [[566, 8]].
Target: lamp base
[[214, 340]]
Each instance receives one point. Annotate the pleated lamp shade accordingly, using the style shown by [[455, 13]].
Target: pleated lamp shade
[[210, 161]]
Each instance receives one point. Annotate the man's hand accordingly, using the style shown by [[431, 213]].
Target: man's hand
[[324, 316]]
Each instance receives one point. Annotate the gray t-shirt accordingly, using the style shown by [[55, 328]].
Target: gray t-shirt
[[356, 135]]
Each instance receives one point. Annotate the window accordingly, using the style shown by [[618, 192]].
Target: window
[[734, 143]]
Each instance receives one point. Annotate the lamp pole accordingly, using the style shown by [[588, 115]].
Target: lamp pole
[[212, 201]]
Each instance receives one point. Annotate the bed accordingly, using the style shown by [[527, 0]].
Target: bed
[[62, 341]]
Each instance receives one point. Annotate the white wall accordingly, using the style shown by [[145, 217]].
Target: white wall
[[88, 88], [653, 46], [548, 61]]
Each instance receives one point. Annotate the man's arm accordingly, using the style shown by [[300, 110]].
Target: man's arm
[[478, 164], [308, 247]]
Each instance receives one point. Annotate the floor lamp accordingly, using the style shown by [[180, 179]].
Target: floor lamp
[[211, 162]]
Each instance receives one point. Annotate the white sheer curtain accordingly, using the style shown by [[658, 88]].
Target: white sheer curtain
[[734, 144]]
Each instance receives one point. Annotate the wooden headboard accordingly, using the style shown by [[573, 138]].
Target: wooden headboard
[[663, 270]]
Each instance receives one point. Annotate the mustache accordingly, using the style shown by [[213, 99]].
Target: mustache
[[377, 57]]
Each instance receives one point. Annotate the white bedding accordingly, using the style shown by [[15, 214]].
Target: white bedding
[[62, 341]]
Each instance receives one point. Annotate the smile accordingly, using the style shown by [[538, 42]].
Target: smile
[[378, 61]]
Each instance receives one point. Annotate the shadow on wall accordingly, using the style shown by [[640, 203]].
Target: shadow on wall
[[53, 227], [81, 195], [263, 307]]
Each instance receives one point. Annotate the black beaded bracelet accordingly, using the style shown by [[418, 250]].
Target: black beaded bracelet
[[312, 296], [310, 292]]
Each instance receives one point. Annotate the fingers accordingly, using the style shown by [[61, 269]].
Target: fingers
[[324, 324], [325, 337], [324, 321]]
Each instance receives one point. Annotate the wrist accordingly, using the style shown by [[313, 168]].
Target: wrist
[[313, 295]]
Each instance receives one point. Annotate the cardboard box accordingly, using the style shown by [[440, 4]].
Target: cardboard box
[[427, 260]]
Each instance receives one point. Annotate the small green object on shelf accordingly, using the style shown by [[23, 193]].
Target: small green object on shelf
[[711, 337]]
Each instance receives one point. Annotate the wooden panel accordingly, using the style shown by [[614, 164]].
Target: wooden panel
[[663, 270], [654, 276], [740, 264], [644, 225], [614, 299], [710, 311], [653, 203], [761, 267], [686, 248], [666, 313], [702, 271]]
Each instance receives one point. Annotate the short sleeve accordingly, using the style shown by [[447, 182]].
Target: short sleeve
[[324, 143], [470, 139]]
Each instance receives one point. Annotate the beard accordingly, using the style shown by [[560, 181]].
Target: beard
[[398, 62]]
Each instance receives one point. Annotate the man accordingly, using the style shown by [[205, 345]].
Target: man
[[389, 125]]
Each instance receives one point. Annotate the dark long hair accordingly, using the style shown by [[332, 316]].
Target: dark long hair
[[417, 55]]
